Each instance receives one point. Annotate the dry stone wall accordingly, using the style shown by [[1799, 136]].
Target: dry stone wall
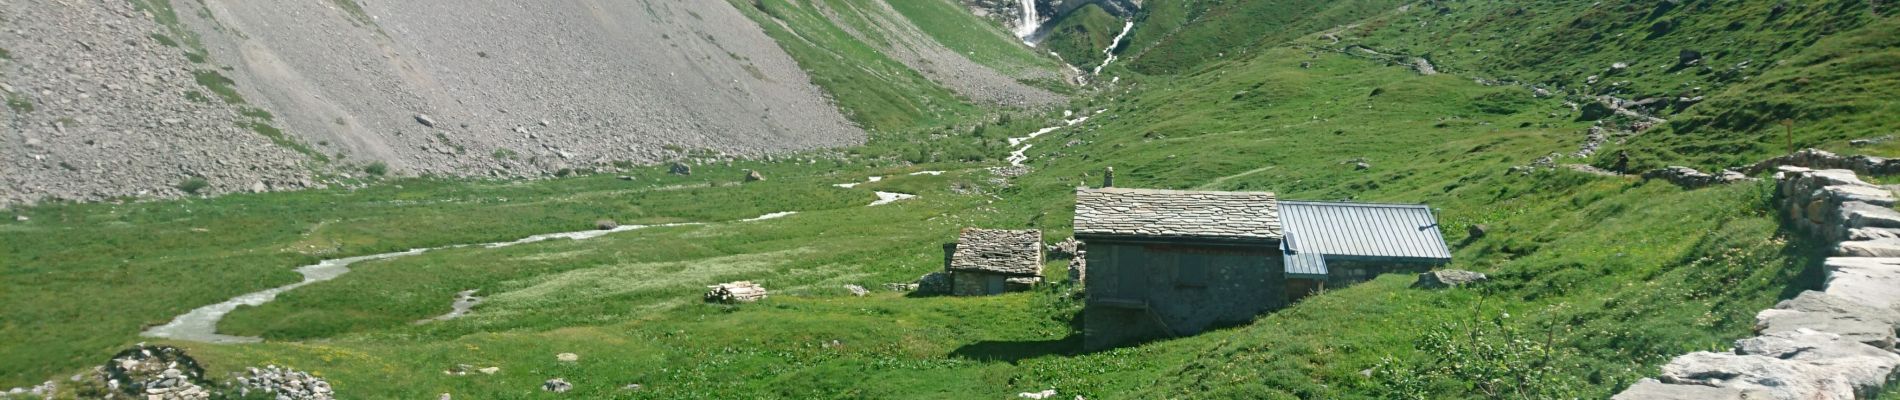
[[1832, 343]]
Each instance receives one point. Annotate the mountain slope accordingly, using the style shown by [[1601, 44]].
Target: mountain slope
[[233, 96]]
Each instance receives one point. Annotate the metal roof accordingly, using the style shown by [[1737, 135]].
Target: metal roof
[[1176, 214], [1399, 231], [1306, 265]]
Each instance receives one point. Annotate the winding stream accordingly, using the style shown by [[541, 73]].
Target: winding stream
[[201, 324], [1020, 155]]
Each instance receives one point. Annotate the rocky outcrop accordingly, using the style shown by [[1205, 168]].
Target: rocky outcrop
[[1820, 159], [284, 384], [1445, 278], [1690, 178], [735, 292], [1834, 343]]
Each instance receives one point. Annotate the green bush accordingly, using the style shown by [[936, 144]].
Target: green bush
[[193, 185], [378, 169]]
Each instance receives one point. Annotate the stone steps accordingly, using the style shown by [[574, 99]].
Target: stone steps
[[1835, 343]]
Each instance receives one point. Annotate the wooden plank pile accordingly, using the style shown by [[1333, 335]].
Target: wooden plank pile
[[735, 292]]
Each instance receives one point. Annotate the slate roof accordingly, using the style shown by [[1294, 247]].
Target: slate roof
[[1176, 214], [1395, 231], [998, 251]]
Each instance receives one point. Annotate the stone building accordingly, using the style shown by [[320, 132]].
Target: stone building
[[992, 261], [1165, 263]]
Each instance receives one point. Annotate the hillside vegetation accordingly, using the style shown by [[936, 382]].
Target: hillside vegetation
[[1597, 278]]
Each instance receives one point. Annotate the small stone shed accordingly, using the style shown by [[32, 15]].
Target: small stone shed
[[993, 261], [1166, 263], [1334, 244]]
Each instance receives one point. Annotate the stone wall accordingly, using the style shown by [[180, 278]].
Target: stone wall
[[1833, 343], [1139, 291]]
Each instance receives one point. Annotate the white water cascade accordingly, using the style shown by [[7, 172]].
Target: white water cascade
[[1110, 51], [1029, 23]]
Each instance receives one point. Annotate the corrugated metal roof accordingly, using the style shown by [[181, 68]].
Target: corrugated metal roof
[[1306, 265], [1363, 230]]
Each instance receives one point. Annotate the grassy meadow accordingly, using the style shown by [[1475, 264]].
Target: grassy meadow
[[1611, 275]]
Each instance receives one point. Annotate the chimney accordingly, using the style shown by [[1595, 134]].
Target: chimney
[[1108, 177]]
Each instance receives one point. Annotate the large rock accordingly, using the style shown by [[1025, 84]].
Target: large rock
[[1868, 248], [934, 283], [284, 384], [1877, 323], [1812, 345], [1780, 379], [1872, 234], [680, 169], [1864, 329], [1445, 278], [1651, 389], [1841, 194], [1856, 214], [1874, 282]]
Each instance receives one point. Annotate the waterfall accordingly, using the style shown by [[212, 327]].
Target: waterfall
[[1029, 22], [1110, 51]]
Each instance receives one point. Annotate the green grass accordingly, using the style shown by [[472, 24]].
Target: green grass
[[1181, 36], [277, 136], [1081, 36], [1616, 274], [220, 85], [873, 90], [18, 103], [980, 40]]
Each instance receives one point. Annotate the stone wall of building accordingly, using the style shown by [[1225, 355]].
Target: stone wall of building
[[1832, 343], [1142, 291]]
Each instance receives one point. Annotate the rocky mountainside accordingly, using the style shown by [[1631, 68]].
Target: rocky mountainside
[[158, 98]]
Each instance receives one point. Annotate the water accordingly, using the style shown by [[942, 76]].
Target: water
[[201, 324], [1021, 155], [1030, 22], [1110, 51]]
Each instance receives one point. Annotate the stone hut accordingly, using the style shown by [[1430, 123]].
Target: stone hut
[[993, 261], [1166, 263]]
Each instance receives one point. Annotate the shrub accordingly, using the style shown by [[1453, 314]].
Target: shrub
[[193, 185], [378, 168]]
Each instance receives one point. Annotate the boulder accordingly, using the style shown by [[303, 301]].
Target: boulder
[[1871, 330], [1445, 278], [735, 292], [1868, 248], [1477, 231], [934, 283], [680, 169], [1780, 379], [1821, 302], [1872, 233], [1651, 389], [557, 385], [1874, 282], [1812, 345], [753, 176], [606, 224], [1856, 214], [856, 290], [567, 357], [1865, 194], [425, 120]]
